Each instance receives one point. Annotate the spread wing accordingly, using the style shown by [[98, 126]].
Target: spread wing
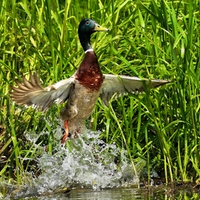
[[122, 84], [31, 92]]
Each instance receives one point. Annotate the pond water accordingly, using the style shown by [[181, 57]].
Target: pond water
[[89, 169], [119, 194]]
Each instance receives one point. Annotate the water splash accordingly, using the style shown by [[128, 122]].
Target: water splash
[[86, 162]]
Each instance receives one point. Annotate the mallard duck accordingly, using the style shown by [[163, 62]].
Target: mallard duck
[[82, 90]]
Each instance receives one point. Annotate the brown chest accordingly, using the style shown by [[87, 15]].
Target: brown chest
[[89, 73]]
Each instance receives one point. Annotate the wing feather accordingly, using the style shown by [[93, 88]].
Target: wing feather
[[31, 92], [121, 85]]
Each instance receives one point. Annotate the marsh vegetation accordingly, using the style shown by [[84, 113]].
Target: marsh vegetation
[[149, 39]]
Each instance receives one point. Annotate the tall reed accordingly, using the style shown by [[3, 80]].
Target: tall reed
[[152, 39]]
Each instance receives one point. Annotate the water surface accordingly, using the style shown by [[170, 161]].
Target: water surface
[[101, 170], [121, 194]]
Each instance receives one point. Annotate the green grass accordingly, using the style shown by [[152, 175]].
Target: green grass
[[152, 39]]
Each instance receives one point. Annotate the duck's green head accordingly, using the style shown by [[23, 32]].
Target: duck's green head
[[89, 26], [85, 29]]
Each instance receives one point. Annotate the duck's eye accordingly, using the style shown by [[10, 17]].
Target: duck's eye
[[87, 22]]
